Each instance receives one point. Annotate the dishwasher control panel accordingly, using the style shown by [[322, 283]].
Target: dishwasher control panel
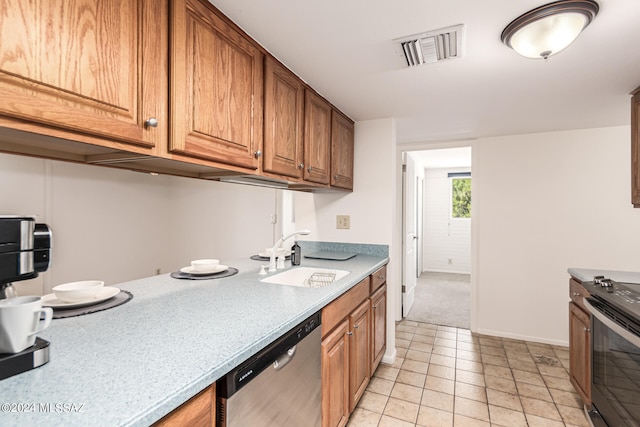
[[237, 378]]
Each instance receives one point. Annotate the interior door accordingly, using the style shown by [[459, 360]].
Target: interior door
[[409, 234], [419, 223]]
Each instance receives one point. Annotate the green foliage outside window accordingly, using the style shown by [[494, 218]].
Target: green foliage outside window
[[461, 198]]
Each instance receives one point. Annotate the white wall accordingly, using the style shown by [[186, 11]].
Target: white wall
[[444, 238], [116, 225], [372, 205], [543, 203]]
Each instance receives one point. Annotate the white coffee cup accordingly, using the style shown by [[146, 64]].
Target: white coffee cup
[[20, 322]]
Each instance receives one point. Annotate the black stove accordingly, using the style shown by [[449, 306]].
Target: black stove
[[623, 296]]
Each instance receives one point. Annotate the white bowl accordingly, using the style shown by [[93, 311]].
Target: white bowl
[[204, 264], [78, 291]]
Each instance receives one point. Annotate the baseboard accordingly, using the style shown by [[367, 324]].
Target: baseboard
[[503, 334], [389, 357]]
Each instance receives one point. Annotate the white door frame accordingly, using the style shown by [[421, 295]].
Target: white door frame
[[409, 239]]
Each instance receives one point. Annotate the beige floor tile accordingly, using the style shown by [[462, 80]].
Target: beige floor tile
[[495, 351], [427, 339], [409, 323], [467, 346], [566, 398], [524, 355], [470, 338], [498, 371], [380, 386], [471, 391], [540, 408], [559, 383], [402, 343], [527, 377], [438, 359], [429, 332], [387, 421], [439, 384], [402, 410], [404, 335], [469, 377], [363, 418], [406, 328], [432, 417], [524, 365], [471, 408], [533, 391], [442, 371], [574, 416], [536, 421], [415, 366], [460, 420], [396, 363], [430, 326], [420, 356], [443, 351], [553, 371], [506, 400], [506, 417], [502, 384], [438, 400], [421, 346], [514, 345], [407, 392], [490, 359], [447, 334], [537, 349], [473, 356], [492, 341], [387, 372], [373, 402], [443, 342], [467, 365], [411, 378], [401, 351]]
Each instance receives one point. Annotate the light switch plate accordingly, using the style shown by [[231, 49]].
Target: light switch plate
[[343, 222]]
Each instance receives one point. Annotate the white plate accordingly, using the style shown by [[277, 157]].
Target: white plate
[[266, 255], [105, 293], [218, 269]]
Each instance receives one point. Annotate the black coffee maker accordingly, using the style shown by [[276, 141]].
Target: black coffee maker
[[24, 251]]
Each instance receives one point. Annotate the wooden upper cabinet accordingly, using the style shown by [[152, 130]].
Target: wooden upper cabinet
[[96, 68], [283, 120], [216, 87], [317, 138], [341, 151], [635, 148]]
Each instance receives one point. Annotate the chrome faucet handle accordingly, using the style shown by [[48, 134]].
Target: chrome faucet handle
[[7, 290]]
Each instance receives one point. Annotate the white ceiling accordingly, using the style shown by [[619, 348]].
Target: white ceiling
[[344, 49]]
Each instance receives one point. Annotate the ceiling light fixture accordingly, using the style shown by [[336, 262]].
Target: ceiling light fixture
[[549, 29]]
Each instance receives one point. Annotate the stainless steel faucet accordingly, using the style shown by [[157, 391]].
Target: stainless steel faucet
[[272, 260]]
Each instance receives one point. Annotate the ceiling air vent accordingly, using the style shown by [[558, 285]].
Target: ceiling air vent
[[432, 46]]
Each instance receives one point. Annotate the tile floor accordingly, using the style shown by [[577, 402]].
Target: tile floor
[[445, 376]]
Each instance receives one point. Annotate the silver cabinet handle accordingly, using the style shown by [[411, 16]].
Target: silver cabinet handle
[[335, 176], [575, 294], [301, 166], [586, 329], [309, 169], [356, 326], [349, 333], [151, 123], [375, 306], [381, 277], [257, 154]]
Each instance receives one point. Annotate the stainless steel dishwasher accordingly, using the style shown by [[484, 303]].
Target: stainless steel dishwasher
[[279, 386]]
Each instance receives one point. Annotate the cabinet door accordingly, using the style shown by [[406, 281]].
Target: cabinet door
[[580, 352], [378, 327], [197, 412], [335, 377], [635, 148], [91, 67], [341, 151], [216, 87], [284, 120], [359, 353], [317, 138]]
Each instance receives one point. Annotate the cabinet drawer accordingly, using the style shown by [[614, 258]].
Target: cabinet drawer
[[339, 309], [378, 278], [577, 292]]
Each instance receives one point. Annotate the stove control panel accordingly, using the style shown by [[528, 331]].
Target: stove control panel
[[624, 295]]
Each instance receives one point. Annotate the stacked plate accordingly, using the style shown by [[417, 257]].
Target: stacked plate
[[79, 294], [204, 272]]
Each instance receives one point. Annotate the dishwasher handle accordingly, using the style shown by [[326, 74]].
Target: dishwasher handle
[[281, 361]]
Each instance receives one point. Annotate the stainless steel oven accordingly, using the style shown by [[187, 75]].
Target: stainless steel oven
[[615, 346]]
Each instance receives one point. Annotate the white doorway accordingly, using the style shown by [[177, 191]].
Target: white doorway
[[445, 249]]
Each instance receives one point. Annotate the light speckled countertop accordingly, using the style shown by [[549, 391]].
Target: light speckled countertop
[[133, 364], [587, 274]]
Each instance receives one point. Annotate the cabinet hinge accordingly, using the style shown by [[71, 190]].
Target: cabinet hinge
[[404, 289]]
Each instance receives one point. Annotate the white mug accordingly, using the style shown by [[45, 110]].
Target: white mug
[[20, 322]]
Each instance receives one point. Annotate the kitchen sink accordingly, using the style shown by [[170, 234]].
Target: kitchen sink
[[310, 277]]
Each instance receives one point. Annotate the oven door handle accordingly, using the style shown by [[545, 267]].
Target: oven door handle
[[632, 338]]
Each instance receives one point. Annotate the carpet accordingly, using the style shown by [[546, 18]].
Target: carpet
[[443, 299]]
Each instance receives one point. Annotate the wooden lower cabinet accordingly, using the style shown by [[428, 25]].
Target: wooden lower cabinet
[[359, 353], [580, 352], [335, 378], [199, 411], [378, 302]]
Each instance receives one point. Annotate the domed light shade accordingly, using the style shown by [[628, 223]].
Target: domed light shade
[[549, 29]]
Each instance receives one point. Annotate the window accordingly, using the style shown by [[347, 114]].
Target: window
[[460, 196]]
